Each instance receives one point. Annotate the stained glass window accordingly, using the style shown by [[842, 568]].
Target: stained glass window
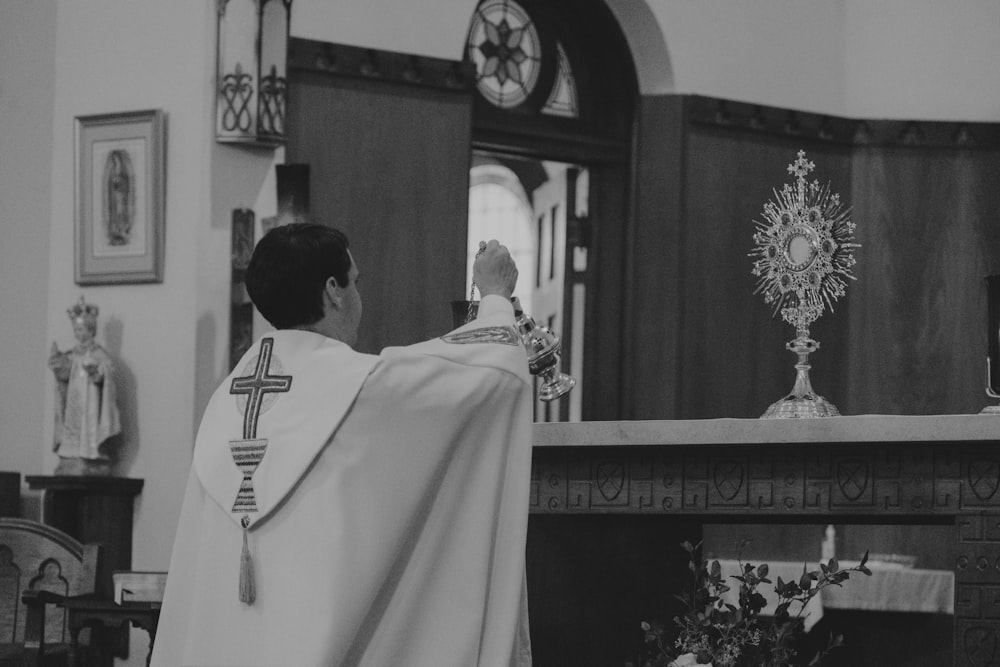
[[505, 47], [562, 99]]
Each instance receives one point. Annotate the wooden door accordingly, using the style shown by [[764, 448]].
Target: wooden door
[[387, 139]]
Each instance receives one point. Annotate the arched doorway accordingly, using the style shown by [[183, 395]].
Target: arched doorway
[[556, 94], [554, 107]]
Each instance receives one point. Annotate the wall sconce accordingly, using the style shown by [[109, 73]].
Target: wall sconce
[[251, 64]]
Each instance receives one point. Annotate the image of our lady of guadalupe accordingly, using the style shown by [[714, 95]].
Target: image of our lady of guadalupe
[[119, 197]]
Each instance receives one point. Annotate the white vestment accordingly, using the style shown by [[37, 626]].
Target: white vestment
[[391, 507]]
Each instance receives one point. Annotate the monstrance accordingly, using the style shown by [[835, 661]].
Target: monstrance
[[803, 258]]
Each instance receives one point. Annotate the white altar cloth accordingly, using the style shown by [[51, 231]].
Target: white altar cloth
[[892, 588]]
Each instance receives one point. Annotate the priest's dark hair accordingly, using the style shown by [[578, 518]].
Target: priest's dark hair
[[289, 268]]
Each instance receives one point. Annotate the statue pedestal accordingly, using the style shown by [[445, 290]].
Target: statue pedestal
[[92, 509], [72, 467]]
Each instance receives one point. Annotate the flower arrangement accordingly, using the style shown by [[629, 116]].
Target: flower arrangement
[[720, 634]]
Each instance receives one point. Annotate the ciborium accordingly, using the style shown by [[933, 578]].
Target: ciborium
[[803, 258]]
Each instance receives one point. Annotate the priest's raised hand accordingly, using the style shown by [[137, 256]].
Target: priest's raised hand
[[494, 271]]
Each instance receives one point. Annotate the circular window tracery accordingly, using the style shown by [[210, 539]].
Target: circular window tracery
[[506, 49]]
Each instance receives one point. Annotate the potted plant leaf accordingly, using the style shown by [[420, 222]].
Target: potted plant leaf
[[715, 631]]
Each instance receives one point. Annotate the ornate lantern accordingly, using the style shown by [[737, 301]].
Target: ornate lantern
[[251, 64]]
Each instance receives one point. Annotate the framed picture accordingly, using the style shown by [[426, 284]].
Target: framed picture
[[120, 171]]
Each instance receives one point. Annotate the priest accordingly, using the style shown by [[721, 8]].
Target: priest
[[354, 509]]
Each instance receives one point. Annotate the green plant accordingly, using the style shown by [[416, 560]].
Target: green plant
[[714, 631]]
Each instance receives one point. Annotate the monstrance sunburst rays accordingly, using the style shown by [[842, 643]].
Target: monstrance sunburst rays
[[803, 258], [807, 211]]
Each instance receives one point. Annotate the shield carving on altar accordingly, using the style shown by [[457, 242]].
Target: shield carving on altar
[[980, 645], [610, 479], [728, 477], [984, 477], [852, 478]]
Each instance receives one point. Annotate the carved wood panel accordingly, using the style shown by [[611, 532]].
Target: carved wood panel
[[893, 479], [977, 582], [893, 482]]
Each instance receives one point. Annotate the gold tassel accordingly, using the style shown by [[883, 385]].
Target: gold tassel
[[248, 592]]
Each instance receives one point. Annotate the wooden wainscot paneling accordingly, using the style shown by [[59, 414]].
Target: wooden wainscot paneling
[[908, 337], [386, 137]]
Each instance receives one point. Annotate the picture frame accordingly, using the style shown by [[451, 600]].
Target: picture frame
[[119, 198]]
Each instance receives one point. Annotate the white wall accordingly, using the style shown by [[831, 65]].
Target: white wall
[[923, 59], [27, 83], [907, 59], [748, 51], [118, 55], [169, 339], [785, 53], [434, 28]]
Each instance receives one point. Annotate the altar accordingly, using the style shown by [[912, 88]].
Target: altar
[[940, 471]]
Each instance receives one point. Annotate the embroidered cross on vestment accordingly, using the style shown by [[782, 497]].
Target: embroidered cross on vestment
[[249, 452]]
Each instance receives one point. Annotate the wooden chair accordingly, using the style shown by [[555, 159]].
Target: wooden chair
[[38, 563]]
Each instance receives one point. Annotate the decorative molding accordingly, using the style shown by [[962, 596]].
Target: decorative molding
[[776, 480], [732, 115], [387, 66]]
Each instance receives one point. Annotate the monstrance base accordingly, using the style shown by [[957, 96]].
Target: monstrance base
[[990, 410], [801, 407]]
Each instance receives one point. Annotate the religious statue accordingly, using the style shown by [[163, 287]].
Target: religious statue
[[86, 413]]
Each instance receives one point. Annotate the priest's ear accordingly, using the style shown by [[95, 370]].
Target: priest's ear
[[332, 291]]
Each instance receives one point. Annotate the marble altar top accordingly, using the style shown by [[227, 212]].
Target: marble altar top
[[854, 429]]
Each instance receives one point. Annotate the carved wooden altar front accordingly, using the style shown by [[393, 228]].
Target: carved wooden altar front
[[926, 469]]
